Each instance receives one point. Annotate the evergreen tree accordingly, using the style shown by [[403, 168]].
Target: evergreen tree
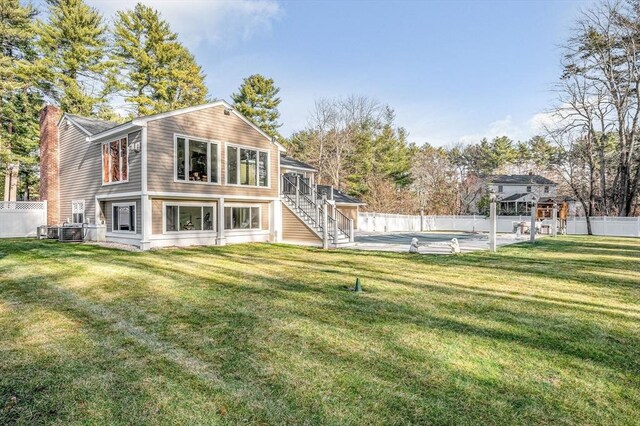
[[74, 42], [155, 72], [257, 99], [20, 79]]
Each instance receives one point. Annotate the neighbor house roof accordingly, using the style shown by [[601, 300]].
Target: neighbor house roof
[[520, 180], [90, 126], [292, 163], [514, 197]]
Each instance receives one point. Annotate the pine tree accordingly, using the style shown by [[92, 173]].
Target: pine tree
[[257, 99], [21, 76], [155, 73], [74, 43]]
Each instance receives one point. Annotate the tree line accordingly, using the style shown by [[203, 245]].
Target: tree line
[[136, 65]]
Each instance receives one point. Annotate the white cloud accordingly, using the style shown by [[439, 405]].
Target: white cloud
[[217, 22], [502, 127], [542, 121], [514, 130]]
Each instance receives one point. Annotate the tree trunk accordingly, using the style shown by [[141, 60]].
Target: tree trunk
[[589, 231], [11, 182]]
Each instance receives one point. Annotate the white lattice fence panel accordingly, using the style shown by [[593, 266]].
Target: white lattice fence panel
[[23, 205], [21, 218]]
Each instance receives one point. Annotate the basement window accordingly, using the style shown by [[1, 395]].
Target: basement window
[[77, 211], [124, 217], [189, 218], [245, 218]]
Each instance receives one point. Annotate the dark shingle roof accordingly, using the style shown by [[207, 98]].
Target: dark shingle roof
[[293, 163], [514, 197], [520, 180], [341, 197], [92, 125], [338, 196]]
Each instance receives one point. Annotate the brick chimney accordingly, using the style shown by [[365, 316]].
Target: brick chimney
[[50, 162]]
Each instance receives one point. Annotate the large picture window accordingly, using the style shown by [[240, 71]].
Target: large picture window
[[247, 166], [196, 160], [115, 161], [189, 218], [124, 218], [242, 217]]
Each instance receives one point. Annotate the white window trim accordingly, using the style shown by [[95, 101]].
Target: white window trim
[[135, 218], [186, 146], [102, 162], [230, 205], [226, 158], [75, 203], [189, 204]]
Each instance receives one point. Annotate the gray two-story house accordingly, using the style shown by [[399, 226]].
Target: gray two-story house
[[516, 193], [203, 175]]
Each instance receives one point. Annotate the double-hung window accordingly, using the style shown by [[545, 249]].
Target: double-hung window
[[124, 217], [189, 218], [77, 211], [115, 161], [196, 160], [247, 166], [242, 217]]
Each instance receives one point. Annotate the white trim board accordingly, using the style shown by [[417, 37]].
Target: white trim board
[[119, 196], [75, 123], [183, 195]]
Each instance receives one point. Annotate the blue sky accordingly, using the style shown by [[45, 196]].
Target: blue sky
[[453, 70]]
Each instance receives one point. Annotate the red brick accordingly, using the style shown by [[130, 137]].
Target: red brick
[[50, 162]]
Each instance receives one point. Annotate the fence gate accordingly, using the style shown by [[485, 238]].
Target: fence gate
[[22, 218]]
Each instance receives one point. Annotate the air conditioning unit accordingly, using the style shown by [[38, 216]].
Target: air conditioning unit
[[53, 232], [69, 234], [42, 232]]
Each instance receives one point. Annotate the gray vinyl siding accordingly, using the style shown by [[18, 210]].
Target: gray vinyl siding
[[210, 124], [108, 213], [81, 171]]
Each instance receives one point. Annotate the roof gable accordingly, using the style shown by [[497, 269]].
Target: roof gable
[[90, 126], [143, 120], [520, 180]]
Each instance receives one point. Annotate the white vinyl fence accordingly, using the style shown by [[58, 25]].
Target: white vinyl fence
[[22, 218], [383, 222]]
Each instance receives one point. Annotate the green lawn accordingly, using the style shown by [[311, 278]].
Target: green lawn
[[268, 334]]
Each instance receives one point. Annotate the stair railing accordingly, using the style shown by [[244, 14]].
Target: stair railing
[[343, 223], [306, 199]]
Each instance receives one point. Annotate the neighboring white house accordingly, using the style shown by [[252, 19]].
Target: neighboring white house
[[516, 192]]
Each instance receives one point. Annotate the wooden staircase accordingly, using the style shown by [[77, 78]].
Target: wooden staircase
[[331, 226]]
